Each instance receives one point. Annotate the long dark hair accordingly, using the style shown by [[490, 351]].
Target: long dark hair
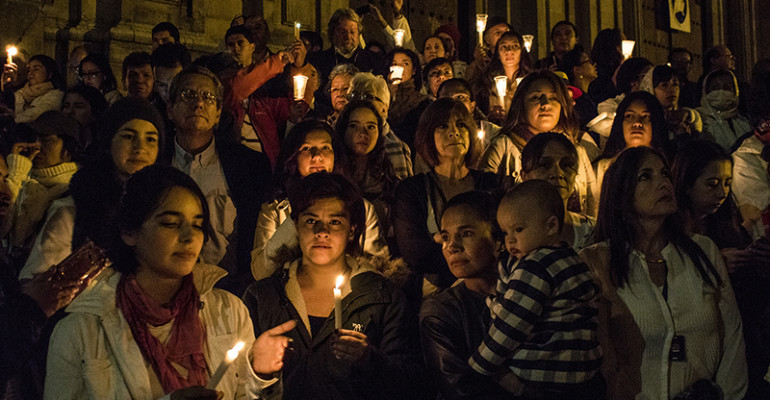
[[495, 66], [723, 226], [605, 49], [286, 172], [616, 142], [416, 67], [144, 192], [100, 60], [517, 114], [51, 69], [378, 164], [617, 221]]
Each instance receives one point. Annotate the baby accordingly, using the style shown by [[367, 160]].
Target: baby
[[543, 326]]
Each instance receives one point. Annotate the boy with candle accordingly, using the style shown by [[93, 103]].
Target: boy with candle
[[542, 339]]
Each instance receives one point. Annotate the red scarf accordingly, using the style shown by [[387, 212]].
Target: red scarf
[[185, 345]]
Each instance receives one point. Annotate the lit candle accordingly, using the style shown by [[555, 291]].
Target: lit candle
[[297, 25], [481, 134], [518, 81], [12, 51], [628, 48], [501, 84], [528, 41], [230, 357], [481, 24], [396, 74], [398, 36], [338, 303], [300, 83]]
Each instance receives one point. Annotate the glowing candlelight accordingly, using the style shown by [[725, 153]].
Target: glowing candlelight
[[396, 74], [501, 85], [528, 41], [398, 35], [481, 134], [297, 25], [628, 48], [12, 51], [338, 303], [230, 357], [300, 83], [518, 81], [481, 24]]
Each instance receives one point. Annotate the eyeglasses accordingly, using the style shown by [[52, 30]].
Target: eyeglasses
[[192, 96], [363, 96], [91, 75]]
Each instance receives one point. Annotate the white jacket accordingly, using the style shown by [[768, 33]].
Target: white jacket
[[93, 354], [51, 100], [751, 182]]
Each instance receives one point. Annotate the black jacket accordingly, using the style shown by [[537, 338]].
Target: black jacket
[[311, 371], [452, 325], [410, 221], [248, 177]]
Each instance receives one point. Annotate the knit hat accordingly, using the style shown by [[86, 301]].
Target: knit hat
[[450, 30], [494, 21], [125, 110], [55, 123]]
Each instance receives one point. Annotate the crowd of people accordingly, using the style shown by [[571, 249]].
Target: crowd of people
[[413, 225]]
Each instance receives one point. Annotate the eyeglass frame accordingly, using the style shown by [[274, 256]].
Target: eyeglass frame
[[213, 99]]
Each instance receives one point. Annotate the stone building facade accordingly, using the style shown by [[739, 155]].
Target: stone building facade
[[119, 27]]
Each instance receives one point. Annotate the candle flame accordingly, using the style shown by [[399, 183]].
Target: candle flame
[[481, 22], [481, 134], [297, 25], [528, 41], [12, 51], [340, 279], [232, 354]]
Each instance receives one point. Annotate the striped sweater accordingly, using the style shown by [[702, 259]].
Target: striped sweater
[[544, 320]]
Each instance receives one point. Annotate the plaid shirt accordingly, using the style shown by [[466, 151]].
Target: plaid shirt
[[544, 320], [398, 153]]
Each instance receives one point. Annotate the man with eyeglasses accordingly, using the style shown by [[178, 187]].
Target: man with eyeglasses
[[233, 178]]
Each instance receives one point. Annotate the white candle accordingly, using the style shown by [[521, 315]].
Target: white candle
[[230, 357], [300, 83], [481, 134], [12, 51], [297, 25], [481, 24], [528, 41], [398, 36], [338, 303], [501, 84], [628, 48], [396, 74]]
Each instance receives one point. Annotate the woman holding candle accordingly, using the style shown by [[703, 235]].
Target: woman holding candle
[[404, 90], [154, 325], [510, 61], [541, 104], [446, 139], [310, 147], [42, 91], [668, 320], [375, 354]]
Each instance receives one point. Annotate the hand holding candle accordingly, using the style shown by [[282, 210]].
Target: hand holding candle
[[300, 83], [528, 41], [396, 74], [501, 85], [627, 48], [338, 303], [230, 357], [398, 36], [481, 25], [12, 51]]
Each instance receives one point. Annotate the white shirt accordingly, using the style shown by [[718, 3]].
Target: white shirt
[[206, 170]]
